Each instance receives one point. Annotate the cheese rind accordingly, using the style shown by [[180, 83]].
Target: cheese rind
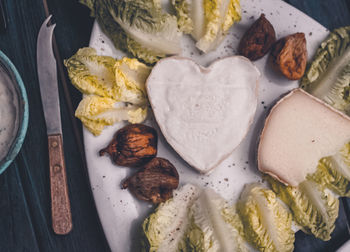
[[298, 132], [204, 113]]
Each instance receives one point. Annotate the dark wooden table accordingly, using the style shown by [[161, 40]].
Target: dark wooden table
[[25, 222]]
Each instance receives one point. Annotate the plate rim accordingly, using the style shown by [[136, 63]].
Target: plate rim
[[85, 131]]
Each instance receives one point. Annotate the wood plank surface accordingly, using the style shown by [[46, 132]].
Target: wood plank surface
[[25, 216]]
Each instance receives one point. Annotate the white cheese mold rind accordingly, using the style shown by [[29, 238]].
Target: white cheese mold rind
[[204, 113]]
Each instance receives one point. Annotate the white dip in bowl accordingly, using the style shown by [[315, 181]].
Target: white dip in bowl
[[9, 113]]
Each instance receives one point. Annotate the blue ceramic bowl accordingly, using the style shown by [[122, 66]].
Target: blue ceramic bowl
[[9, 69]]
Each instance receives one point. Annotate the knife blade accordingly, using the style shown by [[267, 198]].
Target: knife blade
[[47, 74]]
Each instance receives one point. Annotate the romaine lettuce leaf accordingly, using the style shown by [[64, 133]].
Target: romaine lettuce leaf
[[232, 15], [184, 15], [96, 112], [328, 75], [208, 21], [194, 220], [140, 27], [165, 229], [267, 224], [314, 209], [130, 76], [334, 172], [215, 226], [219, 17], [107, 82], [141, 52], [92, 74]]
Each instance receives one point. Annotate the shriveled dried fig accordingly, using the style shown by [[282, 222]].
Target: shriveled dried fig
[[155, 182], [289, 56], [258, 40], [132, 146]]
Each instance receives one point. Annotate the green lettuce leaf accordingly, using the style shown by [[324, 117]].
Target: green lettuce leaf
[[208, 21], [194, 220], [215, 226], [96, 112], [219, 17], [184, 15], [131, 76], [165, 229], [328, 75], [92, 74], [115, 89], [333, 172], [267, 224], [142, 53], [314, 209], [122, 80], [139, 27]]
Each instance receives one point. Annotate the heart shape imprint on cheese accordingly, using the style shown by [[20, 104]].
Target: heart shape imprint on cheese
[[204, 113]]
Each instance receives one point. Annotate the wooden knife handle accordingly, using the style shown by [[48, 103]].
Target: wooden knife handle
[[60, 205]]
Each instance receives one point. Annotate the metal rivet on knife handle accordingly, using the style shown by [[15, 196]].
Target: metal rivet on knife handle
[[60, 206]]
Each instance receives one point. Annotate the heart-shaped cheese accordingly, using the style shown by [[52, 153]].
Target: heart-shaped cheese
[[204, 113]]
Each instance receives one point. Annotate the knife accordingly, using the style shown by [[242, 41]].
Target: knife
[[47, 73]]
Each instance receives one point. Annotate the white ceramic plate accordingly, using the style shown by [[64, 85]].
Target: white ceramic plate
[[122, 214]]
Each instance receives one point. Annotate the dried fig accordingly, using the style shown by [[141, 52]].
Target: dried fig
[[289, 56], [258, 40], [154, 182], [132, 146]]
